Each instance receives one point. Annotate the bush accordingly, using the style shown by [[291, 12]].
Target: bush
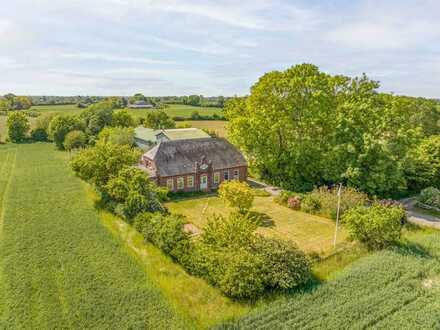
[[18, 126], [165, 232], [430, 196], [61, 125], [237, 194], [285, 266], [102, 162], [283, 197], [376, 226], [324, 201], [242, 264], [39, 134], [122, 119], [294, 202], [311, 204], [74, 140], [117, 135]]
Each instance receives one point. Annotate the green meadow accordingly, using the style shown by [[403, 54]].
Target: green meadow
[[59, 266]]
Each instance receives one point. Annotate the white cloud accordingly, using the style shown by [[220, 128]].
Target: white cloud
[[112, 58]]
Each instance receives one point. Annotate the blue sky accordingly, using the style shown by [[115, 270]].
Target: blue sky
[[119, 47]]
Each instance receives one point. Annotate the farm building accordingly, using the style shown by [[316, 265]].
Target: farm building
[[146, 138], [194, 164], [140, 105]]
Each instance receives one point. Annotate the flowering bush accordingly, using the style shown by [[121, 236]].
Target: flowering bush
[[294, 202]]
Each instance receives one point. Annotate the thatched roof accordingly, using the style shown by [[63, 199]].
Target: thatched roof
[[180, 156]]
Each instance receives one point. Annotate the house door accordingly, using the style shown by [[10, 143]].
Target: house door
[[203, 182]]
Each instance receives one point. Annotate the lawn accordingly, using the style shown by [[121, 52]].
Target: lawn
[[392, 289], [179, 110], [311, 233], [59, 266], [218, 126]]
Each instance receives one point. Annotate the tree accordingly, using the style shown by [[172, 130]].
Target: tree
[[376, 226], [117, 135], [237, 194], [74, 140], [21, 102], [18, 126], [61, 125], [194, 100], [133, 189], [423, 164], [96, 117], [159, 120], [102, 162], [122, 119]]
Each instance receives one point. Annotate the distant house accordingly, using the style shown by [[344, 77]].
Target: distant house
[[140, 105], [146, 138], [194, 164]]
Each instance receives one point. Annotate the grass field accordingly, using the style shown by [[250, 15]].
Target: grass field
[[394, 289], [311, 233], [172, 110], [59, 266], [218, 126]]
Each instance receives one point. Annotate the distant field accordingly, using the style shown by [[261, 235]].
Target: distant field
[[65, 109], [311, 233], [217, 126], [60, 268]]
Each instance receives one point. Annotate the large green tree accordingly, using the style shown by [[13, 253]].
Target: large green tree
[[302, 128], [18, 126]]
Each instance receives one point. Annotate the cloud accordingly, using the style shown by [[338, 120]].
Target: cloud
[[112, 58]]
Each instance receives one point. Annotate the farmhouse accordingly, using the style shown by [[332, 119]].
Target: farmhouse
[[146, 138], [140, 105], [194, 164]]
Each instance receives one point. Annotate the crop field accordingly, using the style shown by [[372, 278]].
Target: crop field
[[394, 289], [59, 266], [311, 233], [218, 126]]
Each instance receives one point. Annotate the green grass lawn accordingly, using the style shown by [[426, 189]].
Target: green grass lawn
[[311, 233], [218, 126], [59, 266]]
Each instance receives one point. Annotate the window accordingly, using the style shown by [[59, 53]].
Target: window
[[190, 181], [236, 174], [226, 175], [216, 177], [180, 183], [170, 184]]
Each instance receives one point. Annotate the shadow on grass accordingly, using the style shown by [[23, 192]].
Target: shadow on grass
[[262, 219], [408, 248]]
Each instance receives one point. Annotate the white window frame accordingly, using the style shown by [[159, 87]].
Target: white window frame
[[190, 180], [216, 177], [237, 174], [170, 184], [180, 183], [226, 175]]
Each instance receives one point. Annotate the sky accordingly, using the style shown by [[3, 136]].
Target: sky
[[222, 47]]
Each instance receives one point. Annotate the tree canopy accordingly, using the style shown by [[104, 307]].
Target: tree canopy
[[302, 128]]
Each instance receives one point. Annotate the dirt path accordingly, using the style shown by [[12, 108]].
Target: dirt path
[[417, 217]]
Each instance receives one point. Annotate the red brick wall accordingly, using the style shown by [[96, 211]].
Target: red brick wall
[[162, 181]]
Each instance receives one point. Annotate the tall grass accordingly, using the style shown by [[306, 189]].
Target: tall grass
[[397, 288], [60, 268]]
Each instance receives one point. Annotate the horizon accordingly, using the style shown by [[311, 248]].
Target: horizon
[[167, 48]]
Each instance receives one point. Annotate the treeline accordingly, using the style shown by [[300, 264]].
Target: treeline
[[194, 100], [302, 128], [13, 102]]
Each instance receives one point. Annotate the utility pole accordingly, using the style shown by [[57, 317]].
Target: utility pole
[[337, 215]]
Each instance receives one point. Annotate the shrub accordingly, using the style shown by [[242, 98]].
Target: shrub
[[285, 266], [102, 162], [134, 190], [294, 202], [61, 125], [18, 126], [283, 197], [166, 232], [39, 134], [237, 194], [74, 140], [430, 196], [117, 135], [376, 226], [122, 119], [324, 201], [311, 204]]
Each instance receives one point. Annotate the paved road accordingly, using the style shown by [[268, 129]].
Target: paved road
[[417, 217]]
